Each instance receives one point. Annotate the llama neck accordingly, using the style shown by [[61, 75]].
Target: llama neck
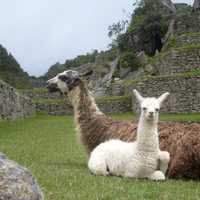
[[83, 103], [147, 135]]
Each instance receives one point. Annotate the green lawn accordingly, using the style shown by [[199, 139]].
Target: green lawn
[[47, 146]]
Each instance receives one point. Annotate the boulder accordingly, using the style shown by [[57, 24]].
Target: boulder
[[16, 182], [169, 5]]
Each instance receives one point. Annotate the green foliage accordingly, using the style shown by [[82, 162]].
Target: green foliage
[[50, 101], [117, 28], [147, 26], [150, 33], [110, 99], [109, 55], [129, 59], [40, 90], [170, 44], [188, 47], [11, 72]]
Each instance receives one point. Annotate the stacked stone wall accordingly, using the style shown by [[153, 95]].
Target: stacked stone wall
[[184, 93], [177, 61], [13, 105]]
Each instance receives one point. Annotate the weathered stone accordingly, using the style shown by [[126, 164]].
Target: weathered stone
[[196, 5], [16, 182], [177, 61], [187, 23], [169, 5], [59, 105], [184, 93], [13, 105]]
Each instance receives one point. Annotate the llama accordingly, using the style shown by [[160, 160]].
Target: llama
[[181, 140], [137, 159]]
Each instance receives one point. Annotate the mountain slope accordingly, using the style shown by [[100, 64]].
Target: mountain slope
[[11, 72]]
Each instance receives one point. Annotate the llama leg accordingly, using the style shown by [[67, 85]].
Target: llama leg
[[157, 176], [98, 167], [164, 158]]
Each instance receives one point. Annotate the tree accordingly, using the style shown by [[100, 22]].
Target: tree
[[117, 28], [146, 28]]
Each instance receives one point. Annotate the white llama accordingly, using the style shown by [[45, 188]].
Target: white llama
[[139, 159]]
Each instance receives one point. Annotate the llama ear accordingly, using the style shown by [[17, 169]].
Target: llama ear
[[163, 97], [138, 96]]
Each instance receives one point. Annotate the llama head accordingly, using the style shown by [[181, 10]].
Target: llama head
[[150, 106], [65, 81]]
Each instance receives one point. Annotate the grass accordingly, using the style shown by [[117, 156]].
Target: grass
[[106, 99], [172, 43], [49, 101], [47, 146], [113, 98]]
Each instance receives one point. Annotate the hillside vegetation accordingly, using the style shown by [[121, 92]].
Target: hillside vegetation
[[11, 72], [108, 55]]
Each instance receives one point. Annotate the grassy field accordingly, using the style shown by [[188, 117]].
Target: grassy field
[[47, 146]]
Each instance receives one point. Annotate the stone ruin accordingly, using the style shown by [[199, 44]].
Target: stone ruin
[[13, 105]]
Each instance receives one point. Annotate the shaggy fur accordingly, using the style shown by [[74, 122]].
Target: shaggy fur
[[137, 159], [181, 140]]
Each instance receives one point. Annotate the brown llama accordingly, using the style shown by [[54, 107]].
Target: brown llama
[[181, 140]]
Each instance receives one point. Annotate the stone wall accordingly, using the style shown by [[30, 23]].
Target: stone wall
[[190, 38], [13, 105], [189, 22], [183, 40], [115, 104], [106, 105], [54, 108], [184, 92], [178, 61], [55, 104]]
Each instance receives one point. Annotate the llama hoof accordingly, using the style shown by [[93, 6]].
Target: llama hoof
[[157, 176]]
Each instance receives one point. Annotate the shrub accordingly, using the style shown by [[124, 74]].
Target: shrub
[[129, 59]]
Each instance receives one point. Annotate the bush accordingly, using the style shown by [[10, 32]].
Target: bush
[[129, 59]]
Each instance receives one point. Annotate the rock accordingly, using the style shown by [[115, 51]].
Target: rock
[[16, 182], [196, 5], [169, 5], [13, 105], [142, 57], [102, 76], [184, 93], [177, 61], [149, 69]]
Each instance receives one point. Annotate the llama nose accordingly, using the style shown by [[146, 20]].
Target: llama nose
[[150, 113], [47, 84]]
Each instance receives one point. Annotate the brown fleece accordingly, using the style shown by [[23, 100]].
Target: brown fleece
[[181, 140]]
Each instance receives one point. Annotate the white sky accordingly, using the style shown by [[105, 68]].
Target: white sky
[[40, 33]]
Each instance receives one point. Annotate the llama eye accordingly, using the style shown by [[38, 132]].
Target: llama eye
[[63, 78], [144, 108], [157, 109]]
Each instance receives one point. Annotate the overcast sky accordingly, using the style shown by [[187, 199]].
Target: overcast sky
[[40, 33]]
